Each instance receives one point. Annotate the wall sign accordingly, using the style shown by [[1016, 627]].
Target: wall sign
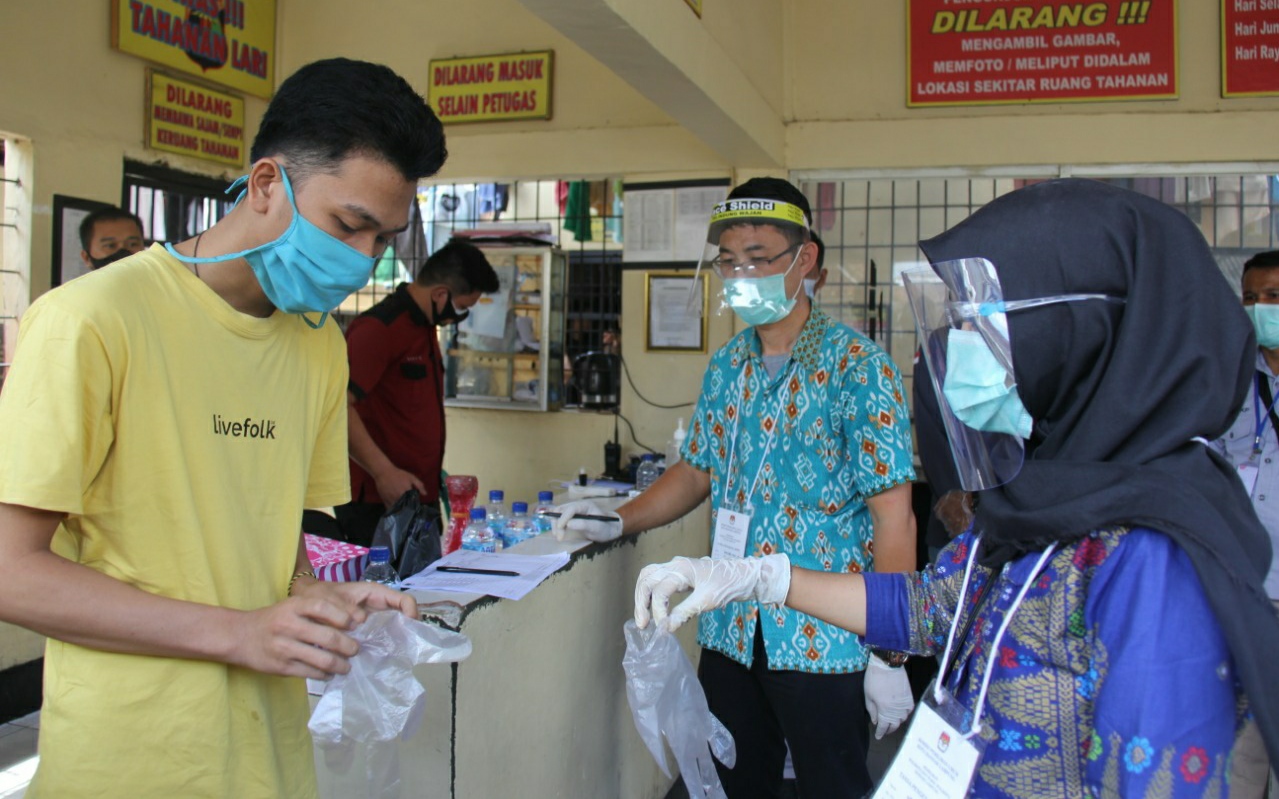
[[1249, 47], [188, 119], [229, 42], [492, 88], [1040, 51]]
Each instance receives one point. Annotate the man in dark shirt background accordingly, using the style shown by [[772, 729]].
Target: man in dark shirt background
[[396, 392]]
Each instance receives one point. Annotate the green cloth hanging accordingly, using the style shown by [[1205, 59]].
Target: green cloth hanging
[[577, 210]]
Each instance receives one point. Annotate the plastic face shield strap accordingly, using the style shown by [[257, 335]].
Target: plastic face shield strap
[[965, 295]]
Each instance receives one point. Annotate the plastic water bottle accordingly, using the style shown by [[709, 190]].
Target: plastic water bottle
[[496, 510], [379, 569], [478, 536], [519, 527], [647, 472], [544, 523]]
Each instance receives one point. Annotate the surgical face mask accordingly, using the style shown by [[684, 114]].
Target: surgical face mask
[[305, 270], [760, 300], [119, 254], [979, 390], [1265, 319]]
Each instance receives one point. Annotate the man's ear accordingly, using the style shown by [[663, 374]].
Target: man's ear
[[265, 178], [88, 262]]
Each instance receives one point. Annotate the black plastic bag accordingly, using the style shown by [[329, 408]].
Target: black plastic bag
[[411, 530]]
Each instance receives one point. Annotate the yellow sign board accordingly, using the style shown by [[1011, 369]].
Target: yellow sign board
[[229, 42], [492, 87], [188, 119]]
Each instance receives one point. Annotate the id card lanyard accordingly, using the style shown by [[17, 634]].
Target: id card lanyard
[[732, 523], [1250, 469], [936, 760]]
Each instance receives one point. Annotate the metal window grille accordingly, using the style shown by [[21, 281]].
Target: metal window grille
[[173, 205], [871, 228]]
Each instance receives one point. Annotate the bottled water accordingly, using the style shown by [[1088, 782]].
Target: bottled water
[[647, 472], [379, 569], [478, 536], [496, 511], [544, 523], [519, 527]]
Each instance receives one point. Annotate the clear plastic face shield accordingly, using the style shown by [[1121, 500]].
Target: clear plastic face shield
[[961, 316], [753, 245]]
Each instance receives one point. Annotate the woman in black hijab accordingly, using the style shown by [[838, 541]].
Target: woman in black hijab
[[1126, 560]]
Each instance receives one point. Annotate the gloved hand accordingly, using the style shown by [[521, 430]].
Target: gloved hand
[[715, 583], [591, 528], [888, 697]]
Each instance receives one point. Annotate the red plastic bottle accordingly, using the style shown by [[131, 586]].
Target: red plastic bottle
[[462, 489]]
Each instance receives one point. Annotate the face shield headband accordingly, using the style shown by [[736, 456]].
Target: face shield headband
[[961, 316]]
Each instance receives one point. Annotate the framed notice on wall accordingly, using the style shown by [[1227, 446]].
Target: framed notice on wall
[[1249, 48], [186, 118], [491, 88], [675, 309], [1040, 51], [665, 222]]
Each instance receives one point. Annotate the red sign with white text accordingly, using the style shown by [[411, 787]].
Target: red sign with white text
[[1249, 47], [976, 52]]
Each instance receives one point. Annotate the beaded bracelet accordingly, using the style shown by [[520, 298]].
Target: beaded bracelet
[[294, 579]]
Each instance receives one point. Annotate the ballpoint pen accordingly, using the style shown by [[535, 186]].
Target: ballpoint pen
[[595, 517], [470, 570]]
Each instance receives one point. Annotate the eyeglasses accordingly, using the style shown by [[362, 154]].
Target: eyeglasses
[[723, 265]]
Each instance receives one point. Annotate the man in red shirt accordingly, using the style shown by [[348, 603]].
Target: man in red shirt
[[396, 394]]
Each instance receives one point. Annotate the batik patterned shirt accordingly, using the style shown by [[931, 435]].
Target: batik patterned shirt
[[828, 430], [1113, 678]]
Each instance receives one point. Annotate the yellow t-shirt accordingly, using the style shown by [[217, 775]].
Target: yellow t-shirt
[[183, 438]]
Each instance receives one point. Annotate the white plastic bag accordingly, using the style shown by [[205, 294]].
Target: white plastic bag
[[379, 702], [667, 701]]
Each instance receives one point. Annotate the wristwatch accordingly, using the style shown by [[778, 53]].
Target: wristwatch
[[890, 657]]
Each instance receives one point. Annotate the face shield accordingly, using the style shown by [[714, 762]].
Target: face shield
[[961, 316], [753, 244]]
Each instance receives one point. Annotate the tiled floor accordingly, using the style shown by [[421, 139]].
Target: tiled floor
[[18, 755]]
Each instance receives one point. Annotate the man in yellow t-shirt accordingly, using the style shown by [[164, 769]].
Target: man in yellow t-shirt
[[164, 423]]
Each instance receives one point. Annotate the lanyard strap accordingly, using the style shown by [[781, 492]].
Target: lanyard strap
[[1261, 394], [999, 636], [768, 445]]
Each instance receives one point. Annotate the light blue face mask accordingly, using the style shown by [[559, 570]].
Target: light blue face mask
[[1265, 320], [980, 391], [760, 300], [305, 270]]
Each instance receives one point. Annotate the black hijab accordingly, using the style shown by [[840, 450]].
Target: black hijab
[[1120, 392]]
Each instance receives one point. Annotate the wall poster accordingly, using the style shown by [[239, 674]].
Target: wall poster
[[1249, 48]]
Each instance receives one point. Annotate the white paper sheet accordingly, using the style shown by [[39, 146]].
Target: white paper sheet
[[531, 569]]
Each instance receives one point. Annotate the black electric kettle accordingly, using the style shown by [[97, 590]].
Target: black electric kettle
[[596, 376]]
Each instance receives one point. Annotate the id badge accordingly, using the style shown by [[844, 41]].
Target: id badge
[[935, 760], [732, 528], [1248, 474]]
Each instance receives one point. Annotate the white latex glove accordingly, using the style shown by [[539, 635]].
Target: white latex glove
[[592, 529], [888, 697], [715, 582]]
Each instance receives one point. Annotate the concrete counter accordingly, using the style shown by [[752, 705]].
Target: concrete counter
[[539, 709]]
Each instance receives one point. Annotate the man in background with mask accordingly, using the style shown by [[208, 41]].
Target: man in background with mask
[[165, 422], [396, 392], [801, 438], [109, 234], [1252, 447]]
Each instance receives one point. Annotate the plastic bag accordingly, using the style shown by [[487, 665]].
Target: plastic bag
[[667, 700], [412, 532], [379, 702]]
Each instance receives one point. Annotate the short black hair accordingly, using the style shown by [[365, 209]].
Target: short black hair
[[780, 190], [1262, 260], [104, 215], [331, 109], [461, 266]]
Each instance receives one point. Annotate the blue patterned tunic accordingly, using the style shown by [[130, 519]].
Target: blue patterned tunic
[[1113, 678], [840, 433]]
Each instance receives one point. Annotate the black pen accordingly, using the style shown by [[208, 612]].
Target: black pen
[[469, 570], [594, 517]]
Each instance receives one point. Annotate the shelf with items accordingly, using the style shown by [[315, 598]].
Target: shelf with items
[[509, 352]]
